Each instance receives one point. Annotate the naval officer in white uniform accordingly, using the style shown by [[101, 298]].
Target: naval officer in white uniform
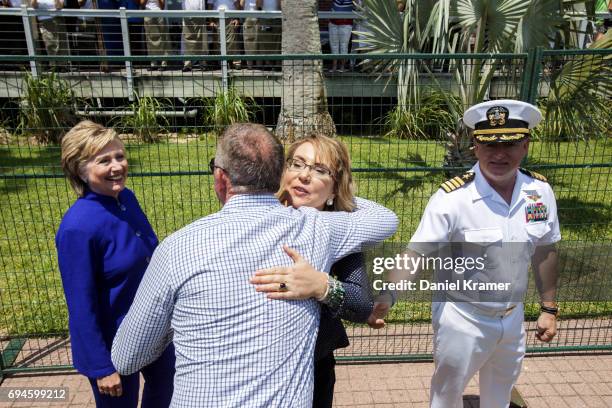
[[495, 202]]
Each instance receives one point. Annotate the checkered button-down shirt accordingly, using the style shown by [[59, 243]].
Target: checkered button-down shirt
[[235, 347]]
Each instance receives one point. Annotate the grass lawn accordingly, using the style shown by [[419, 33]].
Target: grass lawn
[[31, 295]]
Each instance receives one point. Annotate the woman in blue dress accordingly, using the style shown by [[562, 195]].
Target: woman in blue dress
[[104, 244]]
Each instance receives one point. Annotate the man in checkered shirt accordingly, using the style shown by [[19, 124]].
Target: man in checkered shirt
[[235, 348]]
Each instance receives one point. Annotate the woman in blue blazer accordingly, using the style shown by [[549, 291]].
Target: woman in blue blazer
[[104, 244]]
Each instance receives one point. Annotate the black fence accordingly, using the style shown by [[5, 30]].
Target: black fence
[[401, 152]]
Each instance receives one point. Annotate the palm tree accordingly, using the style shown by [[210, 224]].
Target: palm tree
[[578, 104], [304, 100], [389, 32], [480, 26]]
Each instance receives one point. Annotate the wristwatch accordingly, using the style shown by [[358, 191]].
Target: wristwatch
[[553, 310]]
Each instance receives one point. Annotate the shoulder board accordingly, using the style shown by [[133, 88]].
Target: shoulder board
[[533, 174], [456, 182]]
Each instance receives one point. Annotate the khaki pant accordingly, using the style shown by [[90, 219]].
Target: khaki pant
[[156, 33], [195, 36], [233, 42], [53, 33], [250, 31], [231, 39]]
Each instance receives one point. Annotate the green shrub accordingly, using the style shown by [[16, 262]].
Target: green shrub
[[47, 107], [145, 122], [228, 108], [430, 120], [574, 120]]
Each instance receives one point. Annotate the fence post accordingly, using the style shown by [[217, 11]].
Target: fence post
[[527, 75], [531, 80], [2, 368], [125, 36], [223, 48], [27, 28], [535, 75]]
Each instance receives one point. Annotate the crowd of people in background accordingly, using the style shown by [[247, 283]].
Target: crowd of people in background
[[163, 36], [155, 35]]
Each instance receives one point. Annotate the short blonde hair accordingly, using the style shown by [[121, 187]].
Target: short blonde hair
[[334, 154], [79, 145]]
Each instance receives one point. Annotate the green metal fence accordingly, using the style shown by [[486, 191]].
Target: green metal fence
[[171, 179]]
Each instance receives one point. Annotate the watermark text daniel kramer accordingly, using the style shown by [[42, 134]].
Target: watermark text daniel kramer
[[423, 284]]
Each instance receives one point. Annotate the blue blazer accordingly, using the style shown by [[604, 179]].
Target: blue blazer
[[103, 246]]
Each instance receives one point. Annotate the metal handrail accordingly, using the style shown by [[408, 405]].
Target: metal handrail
[[323, 15], [284, 57], [124, 14]]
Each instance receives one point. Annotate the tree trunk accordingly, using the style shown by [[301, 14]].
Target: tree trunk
[[304, 101]]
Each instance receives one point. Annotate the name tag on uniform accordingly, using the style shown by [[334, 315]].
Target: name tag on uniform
[[536, 212]]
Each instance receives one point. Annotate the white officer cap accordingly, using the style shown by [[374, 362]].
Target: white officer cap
[[502, 120]]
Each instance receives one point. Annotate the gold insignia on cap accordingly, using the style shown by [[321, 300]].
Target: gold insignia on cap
[[456, 182], [497, 115]]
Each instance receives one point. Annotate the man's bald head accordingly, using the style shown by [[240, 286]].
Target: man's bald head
[[252, 157]]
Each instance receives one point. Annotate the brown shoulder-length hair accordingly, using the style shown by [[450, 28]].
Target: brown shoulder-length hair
[[80, 144], [334, 154]]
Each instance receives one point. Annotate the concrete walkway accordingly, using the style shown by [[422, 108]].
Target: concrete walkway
[[573, 381], [550, 381]]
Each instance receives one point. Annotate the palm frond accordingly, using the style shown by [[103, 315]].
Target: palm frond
[[578, 104], [384, 26], [538, 25], [385, 32]]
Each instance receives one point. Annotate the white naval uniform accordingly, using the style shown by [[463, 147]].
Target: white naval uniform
[[471, 337]]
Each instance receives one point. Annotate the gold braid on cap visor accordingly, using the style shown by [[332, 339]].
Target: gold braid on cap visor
[[498, 137], [513, 137], [500, 131], [501, 134]]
